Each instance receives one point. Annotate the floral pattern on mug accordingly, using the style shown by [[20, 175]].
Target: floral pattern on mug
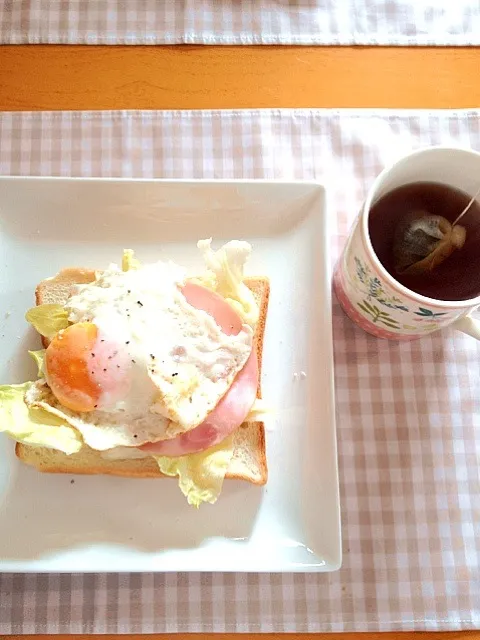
[[375, 295], [428, 313], [377, 315], [373, 288]]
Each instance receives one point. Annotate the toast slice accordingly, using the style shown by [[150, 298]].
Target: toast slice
[[249, 459]]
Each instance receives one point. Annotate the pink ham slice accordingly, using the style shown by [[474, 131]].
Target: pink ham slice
[[224, 315], [235, 405]]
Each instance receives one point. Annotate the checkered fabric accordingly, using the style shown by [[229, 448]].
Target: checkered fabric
[[314, 22], [408, 415]]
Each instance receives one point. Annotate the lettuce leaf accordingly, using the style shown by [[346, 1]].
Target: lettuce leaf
[[39, 357], [129, 261], [48, 319], [227, 264], [258, 411], [34, 426], [200, 475]]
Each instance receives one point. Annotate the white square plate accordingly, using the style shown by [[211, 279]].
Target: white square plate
[[95, 523]]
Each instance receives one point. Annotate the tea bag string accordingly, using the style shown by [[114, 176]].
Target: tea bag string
[[474, 197]]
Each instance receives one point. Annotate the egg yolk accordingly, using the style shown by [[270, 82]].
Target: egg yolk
[[67, 368]]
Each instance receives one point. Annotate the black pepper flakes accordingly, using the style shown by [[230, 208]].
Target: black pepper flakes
[[140, 304], [127, 342], [135, 435], [104, 370], [93, 355], [129, 291], [152, 356], [174, 374], [133, 361]]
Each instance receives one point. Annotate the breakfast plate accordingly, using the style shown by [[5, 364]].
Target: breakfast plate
[[55, 523]]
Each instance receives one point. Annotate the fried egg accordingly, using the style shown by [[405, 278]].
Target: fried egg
[[139, 363], [86, 371]]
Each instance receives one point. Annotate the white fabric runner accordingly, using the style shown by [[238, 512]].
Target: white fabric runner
[[303, 22]]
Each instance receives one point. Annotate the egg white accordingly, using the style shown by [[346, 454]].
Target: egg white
[[102, 430], [180, 361]]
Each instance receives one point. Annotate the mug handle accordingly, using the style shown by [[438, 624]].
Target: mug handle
[[467, 324]]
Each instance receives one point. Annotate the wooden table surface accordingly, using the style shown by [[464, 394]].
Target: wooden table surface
[[192, 77]]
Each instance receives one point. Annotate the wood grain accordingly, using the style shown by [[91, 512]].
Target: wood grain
[[192, 77]]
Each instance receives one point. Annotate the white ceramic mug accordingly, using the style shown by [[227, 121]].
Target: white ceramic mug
[[368, 293]]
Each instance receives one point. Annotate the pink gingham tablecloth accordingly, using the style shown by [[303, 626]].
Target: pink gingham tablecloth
[[408, 414], [302, 22]]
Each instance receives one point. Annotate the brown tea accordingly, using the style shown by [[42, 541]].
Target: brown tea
[[458, 277]]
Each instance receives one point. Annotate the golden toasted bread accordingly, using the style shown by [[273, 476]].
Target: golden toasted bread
[[249, 460]]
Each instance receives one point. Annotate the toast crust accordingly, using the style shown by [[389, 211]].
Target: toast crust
[[90, 462], [249, 460]]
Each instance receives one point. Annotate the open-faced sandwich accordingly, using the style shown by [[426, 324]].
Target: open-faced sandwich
[[146, 372]]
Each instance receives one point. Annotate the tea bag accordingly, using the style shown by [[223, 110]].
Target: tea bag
[[423, 241]]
